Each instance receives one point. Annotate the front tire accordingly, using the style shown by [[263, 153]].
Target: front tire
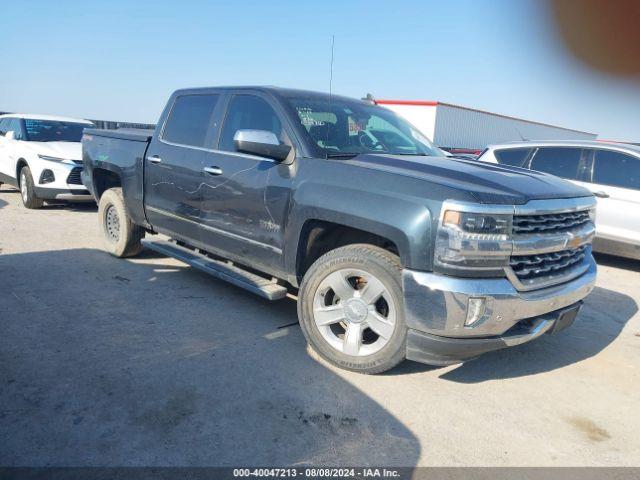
[[28, 191], [351, 309], [121, 236]]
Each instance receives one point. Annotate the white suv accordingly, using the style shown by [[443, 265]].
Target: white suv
[[42, 155], [610, 170]]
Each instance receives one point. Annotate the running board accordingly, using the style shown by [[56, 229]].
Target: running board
[[224, 271]]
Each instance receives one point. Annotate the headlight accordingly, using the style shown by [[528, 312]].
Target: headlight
[[473, 244], [478, 222], [54, 159]]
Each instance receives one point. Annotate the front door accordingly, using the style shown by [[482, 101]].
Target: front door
[[174, 166], [246, 197]]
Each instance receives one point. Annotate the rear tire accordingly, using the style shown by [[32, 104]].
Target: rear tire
[[27, 189], [121, 236], [351, 308]]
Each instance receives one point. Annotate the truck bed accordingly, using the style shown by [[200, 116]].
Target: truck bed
[[122, 153], [135, 134]]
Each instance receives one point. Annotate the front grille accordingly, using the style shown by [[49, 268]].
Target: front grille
[[74, 176], [531, 267], [549, 223]]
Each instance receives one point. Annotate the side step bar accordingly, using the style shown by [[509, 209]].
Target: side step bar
[[230, 273]]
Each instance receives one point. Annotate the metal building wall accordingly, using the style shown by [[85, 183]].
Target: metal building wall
[[460, 127]]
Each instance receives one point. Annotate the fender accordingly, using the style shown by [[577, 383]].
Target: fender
[[407, 222]]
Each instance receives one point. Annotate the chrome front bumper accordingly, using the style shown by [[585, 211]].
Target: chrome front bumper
[[436, 310]]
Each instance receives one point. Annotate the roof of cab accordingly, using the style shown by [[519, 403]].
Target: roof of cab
[[55, 118], [277, 91]]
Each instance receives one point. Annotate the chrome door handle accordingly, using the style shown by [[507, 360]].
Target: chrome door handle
[[154, 159], [213, 170], [601, 194]]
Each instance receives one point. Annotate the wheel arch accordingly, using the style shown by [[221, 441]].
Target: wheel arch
[[398, 223], [318, 237], [103, 179], [20, 164]]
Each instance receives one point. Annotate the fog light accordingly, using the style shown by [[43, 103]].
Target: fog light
[[47, 176], [475, 311]]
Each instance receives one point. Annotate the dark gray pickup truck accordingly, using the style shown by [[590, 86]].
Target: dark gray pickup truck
[[393, 250]]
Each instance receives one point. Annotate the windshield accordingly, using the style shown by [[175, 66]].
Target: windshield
[[54, 131], [351, 127]]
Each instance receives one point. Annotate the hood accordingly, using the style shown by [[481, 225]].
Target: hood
[[486, 182], [67, 150]]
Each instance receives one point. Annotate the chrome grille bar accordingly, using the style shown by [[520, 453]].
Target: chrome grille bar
[[549, 223], [529, 266]]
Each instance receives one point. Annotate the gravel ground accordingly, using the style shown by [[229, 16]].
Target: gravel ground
[[149, 362]]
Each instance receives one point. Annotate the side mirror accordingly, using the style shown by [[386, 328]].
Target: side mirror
[[10, 135], [262, 143]]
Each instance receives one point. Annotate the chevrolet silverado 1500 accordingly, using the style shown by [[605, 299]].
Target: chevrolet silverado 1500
[[393, 250]]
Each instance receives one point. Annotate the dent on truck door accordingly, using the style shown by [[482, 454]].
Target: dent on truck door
[[174, 166], [246, 196]]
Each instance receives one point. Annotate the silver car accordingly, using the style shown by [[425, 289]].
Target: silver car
[[610, 170]]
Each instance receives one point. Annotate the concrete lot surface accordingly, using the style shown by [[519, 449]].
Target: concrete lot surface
[[149, 362]]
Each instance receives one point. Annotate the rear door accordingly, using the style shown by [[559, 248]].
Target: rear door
[[615, 180], [174, 165]]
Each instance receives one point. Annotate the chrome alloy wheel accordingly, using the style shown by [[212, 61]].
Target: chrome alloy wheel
[[23, 187], [354, 312], [112, 221]]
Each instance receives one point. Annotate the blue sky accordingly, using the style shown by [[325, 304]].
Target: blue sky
[[120, 60]]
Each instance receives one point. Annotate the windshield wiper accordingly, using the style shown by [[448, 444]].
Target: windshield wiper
[[342, 155]]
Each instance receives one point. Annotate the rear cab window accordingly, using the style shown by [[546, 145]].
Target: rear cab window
[[616, 169], [190, 122]]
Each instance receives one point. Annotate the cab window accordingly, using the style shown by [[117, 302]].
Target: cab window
[[560, 161], [248, 112], [512, 156], [190, 120], [616, 169]]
